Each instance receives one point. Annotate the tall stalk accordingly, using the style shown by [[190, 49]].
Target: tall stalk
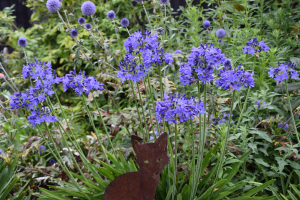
[[147, 15], [96, 131], [143, 111], [149, 107], [137, 108], [224, 147], [291, 111], [152, 99]]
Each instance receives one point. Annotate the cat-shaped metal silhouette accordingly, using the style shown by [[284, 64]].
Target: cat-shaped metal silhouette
[[141, 185]]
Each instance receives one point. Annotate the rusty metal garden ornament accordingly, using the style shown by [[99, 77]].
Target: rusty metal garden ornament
[[141, 185]]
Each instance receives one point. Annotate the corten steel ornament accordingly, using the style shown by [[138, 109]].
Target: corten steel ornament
[[141, 185]]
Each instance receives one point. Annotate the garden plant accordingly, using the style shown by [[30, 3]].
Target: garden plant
[[220, 78]]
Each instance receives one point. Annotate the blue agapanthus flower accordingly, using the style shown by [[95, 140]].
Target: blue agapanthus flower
[[22, 42], [80, 83], [254, 46], [259, 102], [38, 116], [178, 106], [145, 46], [42, 148], [201, 64], [0, 151], [45, 77], [88, 8], [283, 72], [53, 5], [234, 78]]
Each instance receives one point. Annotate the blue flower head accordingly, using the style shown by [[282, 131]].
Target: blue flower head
[[286, 127], [221, 120], [81, 20], [160, 30], [254, 46], [22, 42], [283, 72], [74, 32], [42, 148], [88, 26], [111, 15], [80, 83], [201, 64], [206, 24], [88, 8], [53, 5], [178, 106], [164, 2], [124, 22], [234, 78], [221, 33], [38, 116], [0, 151], [45, 77], [144, 45]]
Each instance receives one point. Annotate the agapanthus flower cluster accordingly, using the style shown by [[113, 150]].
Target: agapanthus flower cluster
[[45, 78], [201, 64], [234, 78], [178, 106], [259, 102], [80, 83], [254, 46], [41, 115], [145, 46], [283, 72]]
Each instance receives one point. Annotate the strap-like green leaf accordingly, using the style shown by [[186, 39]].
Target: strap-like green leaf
[[259, 188]]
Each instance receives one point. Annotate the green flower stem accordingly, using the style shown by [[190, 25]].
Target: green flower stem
[[14, 86], [97, 28], [107, 134], [59, 158], [143, 112], [193, 140], [224, 147], [128, 31], [137, 108], [152, 99], [66, 143], [202, 136], [147, 15], [149, 107], [291, 110], [96, 131], [171, 164], [243, 110], [175, 162], [76, 145]]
